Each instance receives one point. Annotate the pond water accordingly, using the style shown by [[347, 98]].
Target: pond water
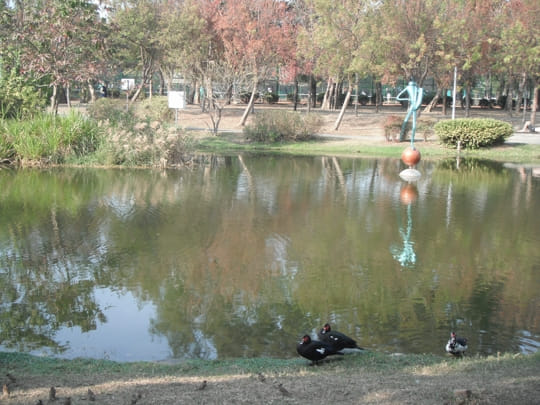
[[242, 255]]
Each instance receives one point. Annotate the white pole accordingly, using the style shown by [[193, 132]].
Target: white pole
[[454, 94]]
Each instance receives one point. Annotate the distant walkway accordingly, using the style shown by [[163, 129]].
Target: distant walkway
[[524, 138]]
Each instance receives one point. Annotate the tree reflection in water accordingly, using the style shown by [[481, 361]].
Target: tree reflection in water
[[242, 256]]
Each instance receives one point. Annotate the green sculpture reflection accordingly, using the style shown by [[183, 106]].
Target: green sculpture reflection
[[414, 98], [406, 255]]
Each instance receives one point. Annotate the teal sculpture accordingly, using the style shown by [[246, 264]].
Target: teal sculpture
[[414, 97]]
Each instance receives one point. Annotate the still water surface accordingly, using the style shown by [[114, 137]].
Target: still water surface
[[241, 256]]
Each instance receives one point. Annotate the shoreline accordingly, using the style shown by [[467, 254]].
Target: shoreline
[[370, 378]]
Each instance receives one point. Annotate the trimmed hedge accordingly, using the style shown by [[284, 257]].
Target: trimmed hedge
[[472, 133], [271, 98]]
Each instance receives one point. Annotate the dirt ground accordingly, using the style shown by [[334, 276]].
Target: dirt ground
[[475, 382], [360, 126], [364, 123]]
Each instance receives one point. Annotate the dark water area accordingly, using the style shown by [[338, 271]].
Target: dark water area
[[242, 255]]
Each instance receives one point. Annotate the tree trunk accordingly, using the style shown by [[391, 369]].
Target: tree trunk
[[534, 106], [53, 108], [445, 103], [508, 104], [215, 115], [310, 93], [295, 93], [338, 85], [68, 95], [500, 89], [147, 71], [214, 108], [229, 94], [250, 104], [165, 80], [313, 86], [378, 96], [327, 95], [433, 102], [136, 94], [162, 83], [194, 93], [467, 100], [92, 92], [521, 91], [357, 88], [343, 107]]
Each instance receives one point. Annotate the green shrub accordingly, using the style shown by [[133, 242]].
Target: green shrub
[[364, 99], [154, 109], [271, 98], [6, 147], [114, 111], [472, 133], [111, 111], [19, 97], [290, 97], [52, 138], [80, 134], [279, 126]]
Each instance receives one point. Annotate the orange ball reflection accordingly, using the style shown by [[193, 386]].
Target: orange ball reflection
[[408, 193]]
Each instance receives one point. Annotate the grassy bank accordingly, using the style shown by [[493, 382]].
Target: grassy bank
[[108, 137], [105, 134], [430, 150], [368, 377], [48, 139]]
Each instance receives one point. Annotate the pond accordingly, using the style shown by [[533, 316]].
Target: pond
[[241, 255]]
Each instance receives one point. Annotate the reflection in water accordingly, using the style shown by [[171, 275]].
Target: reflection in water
[[406, 255], [127, 320], [243, 255]]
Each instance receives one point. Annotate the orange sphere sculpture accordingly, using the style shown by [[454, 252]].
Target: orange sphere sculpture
[[410, 156], [408, 194]]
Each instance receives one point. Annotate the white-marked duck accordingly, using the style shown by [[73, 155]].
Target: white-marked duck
[[456, 345], [338, 340], [314, 350]]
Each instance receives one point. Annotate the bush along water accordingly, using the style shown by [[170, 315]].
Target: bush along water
[[48, 139], [472, 133], [108, 135], [140, 136], [282, 126]]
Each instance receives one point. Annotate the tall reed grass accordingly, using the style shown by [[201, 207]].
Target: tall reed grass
[[144, 135], [49, 138]]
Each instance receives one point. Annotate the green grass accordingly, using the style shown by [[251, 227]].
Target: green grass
[[429, 151], [29, 365], [50, 137], [75, 139]]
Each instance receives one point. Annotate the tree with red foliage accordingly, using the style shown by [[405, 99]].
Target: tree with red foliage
[[257, 36]]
